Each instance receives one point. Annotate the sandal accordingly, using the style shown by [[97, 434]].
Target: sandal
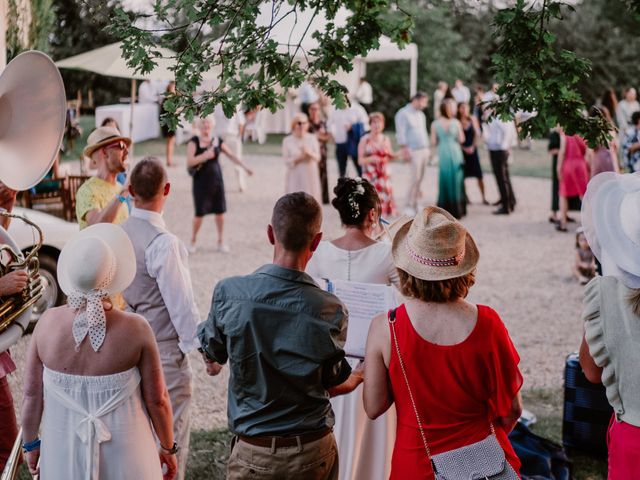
[[560, 228]]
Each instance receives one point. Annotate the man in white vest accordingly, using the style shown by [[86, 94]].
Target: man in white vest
[[161, 292]]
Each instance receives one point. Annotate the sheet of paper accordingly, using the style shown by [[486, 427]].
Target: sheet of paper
[[364, 301]]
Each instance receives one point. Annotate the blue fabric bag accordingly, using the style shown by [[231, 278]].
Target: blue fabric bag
[[541, 459]]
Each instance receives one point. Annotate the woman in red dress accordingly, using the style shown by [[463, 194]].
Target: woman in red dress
[[573, 174], [374, 154], [460, 363]]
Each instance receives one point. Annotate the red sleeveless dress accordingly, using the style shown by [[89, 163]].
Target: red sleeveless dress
[[457, 389]]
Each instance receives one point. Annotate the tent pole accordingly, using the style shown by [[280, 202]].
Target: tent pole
[[413, 77], [133, 102]]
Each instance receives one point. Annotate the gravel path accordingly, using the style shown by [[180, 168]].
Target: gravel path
[[524, 269]]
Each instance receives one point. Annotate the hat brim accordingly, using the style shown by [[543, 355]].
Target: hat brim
[[90, 149], [603, 228], [404, 262], [118, 240]]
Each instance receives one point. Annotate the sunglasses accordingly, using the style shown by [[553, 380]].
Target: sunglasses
[[301, 123], [120, 145]]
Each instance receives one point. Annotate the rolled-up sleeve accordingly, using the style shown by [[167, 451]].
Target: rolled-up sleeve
[[211, 335]]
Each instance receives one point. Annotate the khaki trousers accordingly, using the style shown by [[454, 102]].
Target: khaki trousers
[[177, 376], [419, 159], [317, 460]]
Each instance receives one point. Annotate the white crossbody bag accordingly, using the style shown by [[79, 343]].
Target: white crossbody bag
[[481, 460]]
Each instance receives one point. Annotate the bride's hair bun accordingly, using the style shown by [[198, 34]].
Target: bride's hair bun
[[355, 197]]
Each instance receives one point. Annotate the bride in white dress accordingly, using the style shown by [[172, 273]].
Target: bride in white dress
[[364, 446], [94, 385]]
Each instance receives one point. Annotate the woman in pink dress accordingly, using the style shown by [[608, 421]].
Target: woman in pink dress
[[301, 153], [374, 154], [573, 174]]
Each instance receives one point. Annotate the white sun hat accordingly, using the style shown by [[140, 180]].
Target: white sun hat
[[611, 221], [96, 264], [98, 257]]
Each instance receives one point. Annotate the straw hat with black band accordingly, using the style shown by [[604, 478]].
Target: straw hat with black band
[[101, 137], [434, 246]]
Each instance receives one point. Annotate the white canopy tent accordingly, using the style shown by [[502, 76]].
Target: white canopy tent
[[290, 29], [108, 61]]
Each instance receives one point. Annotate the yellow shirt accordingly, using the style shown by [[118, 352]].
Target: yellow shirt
[[95, 194]]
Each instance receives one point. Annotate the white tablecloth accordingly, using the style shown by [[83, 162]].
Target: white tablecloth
[[146, 119]]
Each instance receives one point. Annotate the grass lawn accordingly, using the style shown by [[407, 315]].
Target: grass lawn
[[530, 163]]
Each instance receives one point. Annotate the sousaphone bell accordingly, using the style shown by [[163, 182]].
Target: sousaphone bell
[[32, 119]]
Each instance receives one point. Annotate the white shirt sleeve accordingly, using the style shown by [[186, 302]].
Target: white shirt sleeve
[[621, 117], [362, 116], [400, 121], [167, 261]]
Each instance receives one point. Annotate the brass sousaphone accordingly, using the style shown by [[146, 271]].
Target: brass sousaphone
[[32, 120]]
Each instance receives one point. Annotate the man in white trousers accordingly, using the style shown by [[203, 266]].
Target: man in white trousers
[[413, 140]]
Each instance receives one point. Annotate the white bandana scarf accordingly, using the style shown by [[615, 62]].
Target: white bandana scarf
[[90, 319]]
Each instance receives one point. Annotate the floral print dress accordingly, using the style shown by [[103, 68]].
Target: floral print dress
[[377, 173]]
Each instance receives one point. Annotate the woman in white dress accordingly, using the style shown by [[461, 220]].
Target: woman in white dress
[[94, 385], [364, 446], [301, 153]]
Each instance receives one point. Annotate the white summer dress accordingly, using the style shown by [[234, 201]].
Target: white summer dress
[[364, 446], [96, 427]]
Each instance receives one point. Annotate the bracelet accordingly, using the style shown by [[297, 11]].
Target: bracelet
[[121, 198], [169, 451], [31, 446]]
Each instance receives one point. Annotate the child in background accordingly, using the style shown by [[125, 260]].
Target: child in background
[[584, 268]]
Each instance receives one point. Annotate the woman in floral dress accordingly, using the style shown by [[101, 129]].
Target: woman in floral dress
[[374, 154]]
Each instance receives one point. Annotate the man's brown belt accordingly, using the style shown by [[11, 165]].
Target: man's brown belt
[[280, 442]]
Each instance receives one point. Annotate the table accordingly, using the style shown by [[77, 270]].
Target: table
[[146, 119]]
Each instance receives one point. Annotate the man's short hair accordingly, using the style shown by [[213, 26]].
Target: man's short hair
[[635, 118], [419, 96], [296, 220], [148, 178]]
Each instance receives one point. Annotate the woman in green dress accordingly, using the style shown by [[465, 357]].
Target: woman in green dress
[[447, 134]]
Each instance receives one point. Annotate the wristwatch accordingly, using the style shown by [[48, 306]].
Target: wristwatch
[[172, 451], [206, 355]]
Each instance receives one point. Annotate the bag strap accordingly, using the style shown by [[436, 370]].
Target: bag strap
[[392, 322]]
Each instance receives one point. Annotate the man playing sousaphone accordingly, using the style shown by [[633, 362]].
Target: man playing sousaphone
[[101, 199], [10, 284]]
